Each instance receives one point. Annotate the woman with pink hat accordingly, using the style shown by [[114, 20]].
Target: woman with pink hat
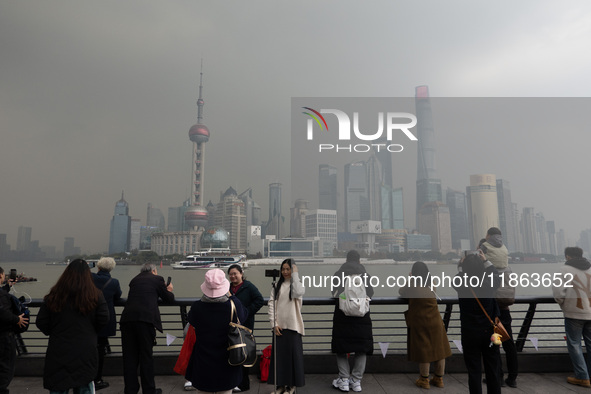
[[208, 367]]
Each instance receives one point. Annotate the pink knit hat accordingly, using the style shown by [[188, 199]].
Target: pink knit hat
[[216, 284]]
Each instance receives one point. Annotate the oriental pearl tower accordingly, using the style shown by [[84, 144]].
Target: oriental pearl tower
[[196, 215]]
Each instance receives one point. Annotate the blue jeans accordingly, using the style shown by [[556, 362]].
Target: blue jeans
[[575, 329]]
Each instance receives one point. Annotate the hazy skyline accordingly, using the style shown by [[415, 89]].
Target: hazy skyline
[[99, 97]]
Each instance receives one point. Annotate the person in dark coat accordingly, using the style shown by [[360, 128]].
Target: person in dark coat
[[112, 292], [208, 367], [72, 314], [8, 321], [426, 337], [139, 321], [351, 334], [476, 329], [252, 299]]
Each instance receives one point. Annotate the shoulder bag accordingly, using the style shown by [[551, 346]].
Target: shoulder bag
[[242, 348], [497, 325]]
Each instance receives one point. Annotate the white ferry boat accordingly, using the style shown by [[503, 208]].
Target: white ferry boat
[[210, 259]]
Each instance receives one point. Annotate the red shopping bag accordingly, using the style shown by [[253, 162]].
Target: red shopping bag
[[183, 360], [265, 363]]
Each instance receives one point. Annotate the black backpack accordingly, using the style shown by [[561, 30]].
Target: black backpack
[[18, 308]]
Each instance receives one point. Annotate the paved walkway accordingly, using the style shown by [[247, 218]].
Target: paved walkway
[[320, 384]]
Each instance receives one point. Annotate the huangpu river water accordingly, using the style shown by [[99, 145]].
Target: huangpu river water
[[187, 282]]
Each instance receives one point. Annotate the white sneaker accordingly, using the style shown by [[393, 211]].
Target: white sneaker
[[355, 385], [341, 384], [189, 386]]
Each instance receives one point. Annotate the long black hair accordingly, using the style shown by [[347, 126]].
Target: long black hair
[[282, 279], [420, 269]]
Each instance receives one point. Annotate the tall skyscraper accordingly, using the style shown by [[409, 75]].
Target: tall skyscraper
[[275, 219], [428, 185], [357, 202], [322, 223], [4, 247], [482, 205], [561, 243], [135, 233], [506, 216], [23, 239], [528, 230], [551, 231], [69, 248], [176, 217], [253, 210], [196, 214], [231, 216], [120, 228], [155, 218], [374, 187], [458, 218], [327, 187], [434, 219], [392, 208], [297, 215], [542, 235]]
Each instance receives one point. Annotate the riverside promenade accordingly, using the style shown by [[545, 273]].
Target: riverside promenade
[[540, 383]]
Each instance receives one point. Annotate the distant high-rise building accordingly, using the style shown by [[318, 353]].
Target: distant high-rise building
[[482, 205], [458, 218], [297, 223], [528, 231], [561, 243], [231, 216], [518, 237], [551, 231], [434, 219], [69, 248], [23, 240], [253, 210], [120, 228], [176, 217], [357, 202], [322, 224], [327, 187], [428, 185], [135, 234], [374, 187], [155, 218], [542, 235], [506, 217], [584, 242], [4, 247], [392, 208], [275, 221]]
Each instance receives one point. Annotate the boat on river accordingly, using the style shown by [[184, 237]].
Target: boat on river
[[209, 259]]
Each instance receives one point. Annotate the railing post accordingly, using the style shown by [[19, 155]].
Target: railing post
[[184, 315], [447, 315], [529, 317]]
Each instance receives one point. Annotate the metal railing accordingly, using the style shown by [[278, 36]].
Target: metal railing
[[535, 320]]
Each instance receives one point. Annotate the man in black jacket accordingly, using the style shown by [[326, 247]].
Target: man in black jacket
[[8, 321], [139, 321]]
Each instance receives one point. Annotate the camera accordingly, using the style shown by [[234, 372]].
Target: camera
[[272, 273], [469, 252], [12, 274]]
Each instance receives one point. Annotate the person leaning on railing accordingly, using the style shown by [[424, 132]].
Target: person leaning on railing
[[476, 330], [73, 312], [112, 292]]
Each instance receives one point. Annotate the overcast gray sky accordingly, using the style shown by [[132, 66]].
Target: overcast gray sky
[[98, 97]]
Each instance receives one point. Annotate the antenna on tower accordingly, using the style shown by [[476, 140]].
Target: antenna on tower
[[200, 101]]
